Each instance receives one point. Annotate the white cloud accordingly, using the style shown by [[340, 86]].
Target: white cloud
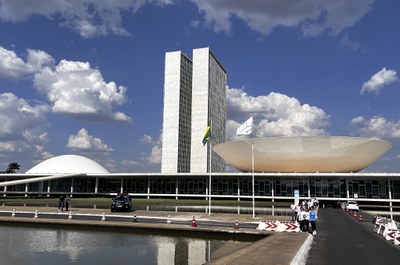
[[76, 89], [379, 80], [348, 44], [155, 155], [89, 17], [156, 151], [311, 16], [130, 163], [22, 129], [146, 139], [357, 120], [379, 127], [85, 142], [274, 114], [14, 67]]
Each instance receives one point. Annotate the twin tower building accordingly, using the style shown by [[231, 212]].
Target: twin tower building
[[194, 98]]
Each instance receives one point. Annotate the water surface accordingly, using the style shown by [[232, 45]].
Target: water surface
[[24, 245]]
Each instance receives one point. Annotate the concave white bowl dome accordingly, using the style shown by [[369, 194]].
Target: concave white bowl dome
[[303, 154], [67, 164]]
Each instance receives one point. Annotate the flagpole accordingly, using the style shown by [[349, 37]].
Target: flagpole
[[209, 166], [252, 177]]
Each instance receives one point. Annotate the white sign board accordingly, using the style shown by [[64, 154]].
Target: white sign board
[[296, 197]]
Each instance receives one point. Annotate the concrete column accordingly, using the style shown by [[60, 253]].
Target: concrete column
[[148, 188], [309, 190], [176, 188], [347, 189], [390, 200], [26, 189], [96, 185], [48, 188], [238, 189], [122, 186], [72, 186], [207, 191], [5, 191], [273, 195]]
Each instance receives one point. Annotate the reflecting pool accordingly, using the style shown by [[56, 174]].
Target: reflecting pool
[[54, 246]]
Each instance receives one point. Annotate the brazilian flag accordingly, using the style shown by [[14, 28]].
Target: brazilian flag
[[207, 135]]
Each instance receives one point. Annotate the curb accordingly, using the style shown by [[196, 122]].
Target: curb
[[301, 256]]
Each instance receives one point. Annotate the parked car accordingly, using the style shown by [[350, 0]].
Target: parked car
[[121, 202], [352, 206]]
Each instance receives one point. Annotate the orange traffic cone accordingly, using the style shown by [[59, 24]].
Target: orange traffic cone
[[194, 222], [360, 218], [355, 216], [236, 224]]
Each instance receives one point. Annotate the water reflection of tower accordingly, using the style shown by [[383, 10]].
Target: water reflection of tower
[[181, 252]]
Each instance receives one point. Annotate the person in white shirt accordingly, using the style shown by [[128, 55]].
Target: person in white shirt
[[300, 218], [306, 220]]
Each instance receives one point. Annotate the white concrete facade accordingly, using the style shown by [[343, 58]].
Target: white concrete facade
[[194, 95], [208, 108], [177, 113], [303, 153]]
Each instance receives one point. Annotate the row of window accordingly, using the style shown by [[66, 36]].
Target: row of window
[[378, 189]]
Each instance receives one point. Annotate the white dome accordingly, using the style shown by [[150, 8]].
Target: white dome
[[303, 154], [68, 164]]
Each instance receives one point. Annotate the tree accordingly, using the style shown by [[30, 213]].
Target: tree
[[12, 168]]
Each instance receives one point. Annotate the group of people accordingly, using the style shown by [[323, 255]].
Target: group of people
[[64, 202], [305, 213]]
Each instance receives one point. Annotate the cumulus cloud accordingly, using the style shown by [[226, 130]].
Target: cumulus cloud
[[274, 115], [76, 89], [379, 80], [14, 67], [155, 155], [89, 17], [84, 142], [146, 139], [379, 127], [357, 120], [310, 16], [22, 129]]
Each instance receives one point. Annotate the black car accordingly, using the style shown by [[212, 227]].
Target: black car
[[121, 202]]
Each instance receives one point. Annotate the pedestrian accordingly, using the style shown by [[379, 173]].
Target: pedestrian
[[306, 218], [300, 218], [67, 202], [61, 203], [313, 221], [293, 208]]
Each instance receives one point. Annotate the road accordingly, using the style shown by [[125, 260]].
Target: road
[[342, 240]]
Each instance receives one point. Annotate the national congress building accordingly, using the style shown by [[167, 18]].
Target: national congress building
[[329, 168]]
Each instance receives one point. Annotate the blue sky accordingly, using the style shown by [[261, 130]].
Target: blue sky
[[86, 77]]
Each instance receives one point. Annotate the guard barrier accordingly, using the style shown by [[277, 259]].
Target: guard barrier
[[397, 238], [388, 228], [279, 226]]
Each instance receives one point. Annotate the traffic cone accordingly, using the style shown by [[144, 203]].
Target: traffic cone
[[13, 213], [355, 216], [103, 218], [134, 218], [169, 221], [236, 224], [360, 218], [70, 215], [36, 214], [194, 222]]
